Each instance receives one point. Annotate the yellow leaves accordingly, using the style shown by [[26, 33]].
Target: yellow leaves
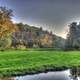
[[6, 30], [47, 40], [7, 27], [22, 47], [0, 34]]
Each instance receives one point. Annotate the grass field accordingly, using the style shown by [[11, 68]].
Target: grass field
[[26, 62]]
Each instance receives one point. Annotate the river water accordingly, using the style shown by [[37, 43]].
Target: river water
[[58, 75]]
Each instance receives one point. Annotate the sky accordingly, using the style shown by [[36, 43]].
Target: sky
[[52, 15]]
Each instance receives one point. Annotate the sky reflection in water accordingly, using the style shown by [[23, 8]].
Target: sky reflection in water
[[64, 75]]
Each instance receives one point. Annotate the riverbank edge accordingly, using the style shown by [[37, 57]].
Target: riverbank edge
[[35, 70]]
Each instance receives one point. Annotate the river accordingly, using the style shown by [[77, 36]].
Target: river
[[58, 75]]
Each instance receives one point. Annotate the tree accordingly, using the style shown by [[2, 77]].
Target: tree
[[5, 13], [6, 27], [73, 37]]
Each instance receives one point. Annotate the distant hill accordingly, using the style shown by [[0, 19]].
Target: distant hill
[[59, 42], [34, 37]]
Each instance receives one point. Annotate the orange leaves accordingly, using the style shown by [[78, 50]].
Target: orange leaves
[[6, 26], [47, 40]]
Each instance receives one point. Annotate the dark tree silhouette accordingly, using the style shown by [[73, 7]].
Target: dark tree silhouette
[[73, 37]]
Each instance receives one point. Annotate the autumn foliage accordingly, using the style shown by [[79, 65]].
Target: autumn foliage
[[6, 26]]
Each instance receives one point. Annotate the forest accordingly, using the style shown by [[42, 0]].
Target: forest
[[22, 36]]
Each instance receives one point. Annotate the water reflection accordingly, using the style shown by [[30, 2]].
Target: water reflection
[[61, 75], [75, 73]]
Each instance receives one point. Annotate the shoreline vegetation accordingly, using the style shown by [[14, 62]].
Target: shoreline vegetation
[[22, 62]]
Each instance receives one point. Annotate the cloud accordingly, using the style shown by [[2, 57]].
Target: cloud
[[51, 14]]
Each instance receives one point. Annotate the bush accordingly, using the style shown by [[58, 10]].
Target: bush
[[5, 43]]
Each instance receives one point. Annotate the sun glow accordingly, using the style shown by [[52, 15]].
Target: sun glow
[[64, 33]]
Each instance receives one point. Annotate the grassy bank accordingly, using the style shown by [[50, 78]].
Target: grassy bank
[[26, 62]]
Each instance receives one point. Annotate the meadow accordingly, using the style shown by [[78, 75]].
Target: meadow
[[16, 62]]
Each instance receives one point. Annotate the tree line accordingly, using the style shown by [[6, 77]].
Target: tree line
[[21, 35]]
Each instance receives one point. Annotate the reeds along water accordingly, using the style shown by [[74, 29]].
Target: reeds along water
[[75, 73], [7, 78]]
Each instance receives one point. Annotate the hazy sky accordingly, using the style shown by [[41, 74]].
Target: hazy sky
[[53, 15]]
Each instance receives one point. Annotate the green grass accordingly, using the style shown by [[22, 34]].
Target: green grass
[[26, 62]]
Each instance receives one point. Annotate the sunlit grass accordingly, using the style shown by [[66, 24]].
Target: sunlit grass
[[22, 62]]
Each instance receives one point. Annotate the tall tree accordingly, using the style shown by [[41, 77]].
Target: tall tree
[[73, 37], [6, 27]]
